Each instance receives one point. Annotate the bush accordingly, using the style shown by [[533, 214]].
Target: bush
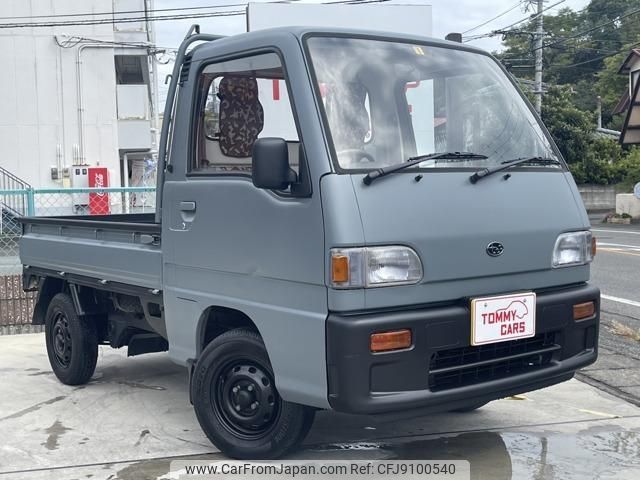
[[604, 165], [627, 171]]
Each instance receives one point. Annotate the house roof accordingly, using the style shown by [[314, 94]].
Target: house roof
[[634, 53]]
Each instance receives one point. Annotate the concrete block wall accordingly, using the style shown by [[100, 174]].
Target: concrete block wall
[[598, 197], [628, 203]]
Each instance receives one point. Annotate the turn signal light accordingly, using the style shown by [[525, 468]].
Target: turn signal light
[[339, 268], [584, 310], [387, 341], [593, 247]]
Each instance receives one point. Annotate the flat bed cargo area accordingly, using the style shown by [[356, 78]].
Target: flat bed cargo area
[[115, 248]]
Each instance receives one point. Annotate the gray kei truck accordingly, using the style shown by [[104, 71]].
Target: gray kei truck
[[354, 221]]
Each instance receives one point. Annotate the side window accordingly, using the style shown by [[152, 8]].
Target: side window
[[240, 101]]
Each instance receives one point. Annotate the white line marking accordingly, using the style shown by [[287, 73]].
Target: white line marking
[[614, 231], [599, 414], [633, 303], [633, 247]]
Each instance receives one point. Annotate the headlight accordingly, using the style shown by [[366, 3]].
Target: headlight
[[574, 248], [374, 267]]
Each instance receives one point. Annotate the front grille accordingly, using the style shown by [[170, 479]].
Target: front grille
[[457, 367]]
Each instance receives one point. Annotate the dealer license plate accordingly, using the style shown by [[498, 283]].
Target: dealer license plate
[[502, 318]]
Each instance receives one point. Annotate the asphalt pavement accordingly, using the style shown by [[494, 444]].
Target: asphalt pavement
[[616, 270]]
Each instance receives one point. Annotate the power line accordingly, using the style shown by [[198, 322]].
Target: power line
[[584, 32], [146, 18], [502, 30], [494, 18], [121, 20], [122, 12], [597, 58]]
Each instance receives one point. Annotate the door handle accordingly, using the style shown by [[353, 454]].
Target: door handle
[[188, 206]]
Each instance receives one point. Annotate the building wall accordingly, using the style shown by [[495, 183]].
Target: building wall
[[43, 84]]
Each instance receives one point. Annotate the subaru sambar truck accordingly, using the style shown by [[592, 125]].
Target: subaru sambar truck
[[369, 223]]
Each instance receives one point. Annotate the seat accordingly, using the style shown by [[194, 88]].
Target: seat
[[241, 115]]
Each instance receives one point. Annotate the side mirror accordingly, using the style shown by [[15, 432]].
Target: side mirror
[[270, 164]]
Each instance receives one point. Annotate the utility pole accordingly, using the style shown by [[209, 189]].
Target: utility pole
[[538, 65]]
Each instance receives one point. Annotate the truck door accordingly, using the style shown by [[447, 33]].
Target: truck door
[[229, 244]]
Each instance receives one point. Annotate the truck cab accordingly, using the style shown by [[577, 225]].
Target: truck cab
[[347, 220]]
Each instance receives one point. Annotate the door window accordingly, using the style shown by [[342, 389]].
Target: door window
[[240, 101]]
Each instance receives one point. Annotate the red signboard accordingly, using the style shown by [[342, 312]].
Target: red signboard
[[99, 201]]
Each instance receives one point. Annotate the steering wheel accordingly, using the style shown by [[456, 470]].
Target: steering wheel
[[357, 154]]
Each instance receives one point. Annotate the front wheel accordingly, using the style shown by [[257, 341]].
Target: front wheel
[[72, 341], [237, 404]]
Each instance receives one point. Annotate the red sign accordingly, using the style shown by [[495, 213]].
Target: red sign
[[99, 201]]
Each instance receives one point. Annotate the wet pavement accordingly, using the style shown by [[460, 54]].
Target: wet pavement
[[134, 417]]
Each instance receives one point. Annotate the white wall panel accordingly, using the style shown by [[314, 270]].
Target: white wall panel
[[39, 92], [8, 100]]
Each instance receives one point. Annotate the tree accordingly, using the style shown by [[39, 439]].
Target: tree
[[571, 128], [592, 159]]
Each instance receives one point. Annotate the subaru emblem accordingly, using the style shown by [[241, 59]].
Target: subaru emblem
[[495, 249]]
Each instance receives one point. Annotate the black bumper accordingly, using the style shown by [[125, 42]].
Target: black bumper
[[441, 371]]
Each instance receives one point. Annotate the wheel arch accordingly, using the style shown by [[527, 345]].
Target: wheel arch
[[215, 320], [47, 289], [82, 297]]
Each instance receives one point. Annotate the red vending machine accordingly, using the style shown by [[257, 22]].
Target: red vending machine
[[99, 201]]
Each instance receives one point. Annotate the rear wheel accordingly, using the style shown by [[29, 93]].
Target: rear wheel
[[72, 342], [237, 404]]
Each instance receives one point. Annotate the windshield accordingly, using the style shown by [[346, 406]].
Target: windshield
[[386, 102]]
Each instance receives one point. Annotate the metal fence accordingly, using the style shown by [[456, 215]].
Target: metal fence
[[16, 306]]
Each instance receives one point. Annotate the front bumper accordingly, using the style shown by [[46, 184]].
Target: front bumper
[[441, 371]]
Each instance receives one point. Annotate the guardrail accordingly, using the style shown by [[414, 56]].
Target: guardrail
[[15, 305]]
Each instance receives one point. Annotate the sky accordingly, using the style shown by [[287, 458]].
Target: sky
[[448, 16]]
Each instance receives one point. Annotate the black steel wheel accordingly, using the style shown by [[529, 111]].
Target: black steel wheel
[[61, 340], [236, 401], [72, 341], [245, 399]]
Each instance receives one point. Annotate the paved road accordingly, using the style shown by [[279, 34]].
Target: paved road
[[616, 270]]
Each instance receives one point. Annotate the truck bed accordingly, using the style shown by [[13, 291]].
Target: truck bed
[[114, 248]]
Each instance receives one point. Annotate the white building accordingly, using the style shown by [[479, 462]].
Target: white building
[[75, 94]]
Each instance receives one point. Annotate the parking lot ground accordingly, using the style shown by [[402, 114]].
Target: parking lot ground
[[134, 417]]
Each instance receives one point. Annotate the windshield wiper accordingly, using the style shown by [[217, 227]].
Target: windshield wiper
[[485, 172], [381, 172]]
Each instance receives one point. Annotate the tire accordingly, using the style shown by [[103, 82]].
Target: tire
[[470, 408], [72, 341], [237, 404]]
